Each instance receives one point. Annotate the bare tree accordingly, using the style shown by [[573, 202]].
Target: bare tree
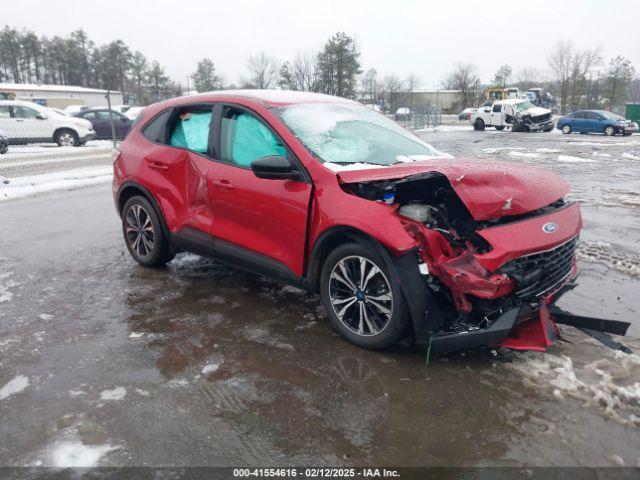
[[263, 71], [528, 77], [412, 82], [464, 77], [370, 86], [305, 71], [560, 60], [570, 68], [392, 87]]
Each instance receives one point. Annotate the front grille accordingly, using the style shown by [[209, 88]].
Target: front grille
[[541, 118], [541, 273]]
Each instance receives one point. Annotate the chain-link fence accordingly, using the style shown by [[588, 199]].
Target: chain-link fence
[[43, 148]]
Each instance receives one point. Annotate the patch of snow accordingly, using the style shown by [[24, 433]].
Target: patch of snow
[[291, 289], [630, 156], [5, 294], [15, 385], [571, 159], [341, 167], [76, 393], [21, 187], [142, 392], [598, 154], [524, 154], [548, 150], [603, 383], [210, 368], [117, 393], [136, 335], [45, 316], [76, 454]]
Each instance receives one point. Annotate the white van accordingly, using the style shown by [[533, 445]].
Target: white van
[[27, 122]]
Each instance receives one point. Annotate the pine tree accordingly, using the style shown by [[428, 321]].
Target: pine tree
[[205, 78], [339, 66]]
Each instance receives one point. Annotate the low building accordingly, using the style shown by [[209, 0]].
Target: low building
[[447, 100], [58, 96]]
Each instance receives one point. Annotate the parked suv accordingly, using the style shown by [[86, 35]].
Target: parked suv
[[326, 194], [27, 122]]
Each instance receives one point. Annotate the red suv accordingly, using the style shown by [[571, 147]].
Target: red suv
[[326, 194]]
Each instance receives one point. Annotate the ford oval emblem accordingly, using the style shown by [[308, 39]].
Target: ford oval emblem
[[550, 227]]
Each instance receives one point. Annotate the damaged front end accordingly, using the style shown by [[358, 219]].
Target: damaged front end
[[494, 251], [532, 122]]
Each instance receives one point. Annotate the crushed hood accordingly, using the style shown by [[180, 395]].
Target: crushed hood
[[535, 111], [489, 190]]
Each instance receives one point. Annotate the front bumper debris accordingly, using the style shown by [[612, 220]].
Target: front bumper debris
[[524, 328]]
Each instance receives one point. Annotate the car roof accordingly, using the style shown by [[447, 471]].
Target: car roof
[[268, 98], [512, 101], [20, 103]]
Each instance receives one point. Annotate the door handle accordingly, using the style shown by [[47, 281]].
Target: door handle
[[223, 184], [156, 164]]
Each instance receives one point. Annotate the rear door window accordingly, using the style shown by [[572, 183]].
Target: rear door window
[[497, 108], [244, 138], [190, 128]]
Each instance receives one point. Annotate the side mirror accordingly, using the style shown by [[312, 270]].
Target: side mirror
[[274, 168], [41, 116], [487, 109]]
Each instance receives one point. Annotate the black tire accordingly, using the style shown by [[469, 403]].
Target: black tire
[[479, 125], [626, 134], [66, 138], [500, 127], [152, 248], [609, 130], [364, 321], [566, 129], [4, 148]]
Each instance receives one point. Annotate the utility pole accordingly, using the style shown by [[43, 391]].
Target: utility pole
[[113, 128]]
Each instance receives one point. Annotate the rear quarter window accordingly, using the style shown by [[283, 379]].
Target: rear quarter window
[[156, 130]]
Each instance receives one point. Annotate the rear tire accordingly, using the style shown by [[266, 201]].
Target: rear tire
[[143, 233], [66, 138], [362, 298], [479, 125], [609, 131]]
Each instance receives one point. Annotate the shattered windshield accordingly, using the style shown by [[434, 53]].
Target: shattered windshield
[[522, 106], [352, 134]]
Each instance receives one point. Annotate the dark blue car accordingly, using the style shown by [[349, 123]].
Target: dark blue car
[[596, 121]]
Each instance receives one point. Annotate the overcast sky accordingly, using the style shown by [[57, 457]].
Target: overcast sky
[[395, 36]]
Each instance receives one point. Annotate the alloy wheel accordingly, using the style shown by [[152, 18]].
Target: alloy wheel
[[66, 139], [139, 231], [360, 295]]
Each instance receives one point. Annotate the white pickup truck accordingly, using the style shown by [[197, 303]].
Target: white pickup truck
[[519, 114]]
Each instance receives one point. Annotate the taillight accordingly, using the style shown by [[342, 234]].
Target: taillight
[[115, 154]]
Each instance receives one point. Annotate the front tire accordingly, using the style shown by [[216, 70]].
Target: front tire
[[143, 233], [67, 138], [479, 125], [609, 131], [500, 127], [362, 298], [566, 129]]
